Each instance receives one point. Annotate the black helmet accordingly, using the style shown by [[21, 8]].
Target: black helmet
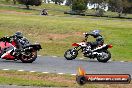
[[95, 33], [19, 34]]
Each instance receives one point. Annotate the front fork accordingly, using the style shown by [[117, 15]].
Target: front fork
[[78, 48]]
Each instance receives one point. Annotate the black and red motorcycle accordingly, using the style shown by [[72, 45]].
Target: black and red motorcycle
[[100, 52], [9, 49]]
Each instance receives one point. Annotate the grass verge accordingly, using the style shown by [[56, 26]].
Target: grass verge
[[56, 34], [48, 80]]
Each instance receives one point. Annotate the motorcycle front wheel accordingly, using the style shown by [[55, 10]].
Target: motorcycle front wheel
[[29, 58], [71, 54], [106, 55]]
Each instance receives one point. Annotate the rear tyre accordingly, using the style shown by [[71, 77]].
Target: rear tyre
[[106, 55], [71, 54], [29, 58]]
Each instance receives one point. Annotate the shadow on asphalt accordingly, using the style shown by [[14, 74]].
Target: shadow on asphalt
[[88, 60], [38, 62], [9, 61]]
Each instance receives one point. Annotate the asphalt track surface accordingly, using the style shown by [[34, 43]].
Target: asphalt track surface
[[61, 66]]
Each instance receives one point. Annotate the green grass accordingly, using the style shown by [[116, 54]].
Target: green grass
[[39, 79], [33, 79], [52, 9], [39, 28], [108, 14], [56, 33], [21, 10], [47, 29], [48, 80], [4, 2]]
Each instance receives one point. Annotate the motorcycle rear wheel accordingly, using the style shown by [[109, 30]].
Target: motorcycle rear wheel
[[29, 59], [71, 54], [104, 58]]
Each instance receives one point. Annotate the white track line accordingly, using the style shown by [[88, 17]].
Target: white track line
[[110, 60], [45, 72], [60, 73], [20, 70], [39, 55], [73, 74], [32, 71], [54, 56], [81, 58], [41, 72], [5, 69]]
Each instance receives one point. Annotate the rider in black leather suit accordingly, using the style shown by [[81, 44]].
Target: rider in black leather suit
[[99, 39], [20, 40]]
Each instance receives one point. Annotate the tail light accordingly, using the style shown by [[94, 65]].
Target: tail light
[[75, 44], [110, 46]]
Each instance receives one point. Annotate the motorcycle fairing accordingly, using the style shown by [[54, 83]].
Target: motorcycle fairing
[[34, 46], [82, 44], [100, 47], [4, 45], [7, 55]]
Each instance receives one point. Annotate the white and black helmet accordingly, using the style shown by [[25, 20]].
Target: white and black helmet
[[95, 33], [19, 34]]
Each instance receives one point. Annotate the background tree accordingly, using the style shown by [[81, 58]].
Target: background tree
[[119, 6], [14, 2], [44, 1], [79, 6], [127, 6], [99, 6], [58, 1], [68, 2], [30, 2], [7, 0]]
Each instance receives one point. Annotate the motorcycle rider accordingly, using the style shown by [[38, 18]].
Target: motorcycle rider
[[17, 37], [91, 45], [20, 40]]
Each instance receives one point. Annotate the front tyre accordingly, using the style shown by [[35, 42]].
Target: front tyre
[[71, 54], [106, 55], [29, 57]]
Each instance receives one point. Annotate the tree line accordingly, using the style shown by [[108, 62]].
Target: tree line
[[119, 6]]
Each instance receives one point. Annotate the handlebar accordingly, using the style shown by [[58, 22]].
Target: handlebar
[[5, 39], [86, 35]]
